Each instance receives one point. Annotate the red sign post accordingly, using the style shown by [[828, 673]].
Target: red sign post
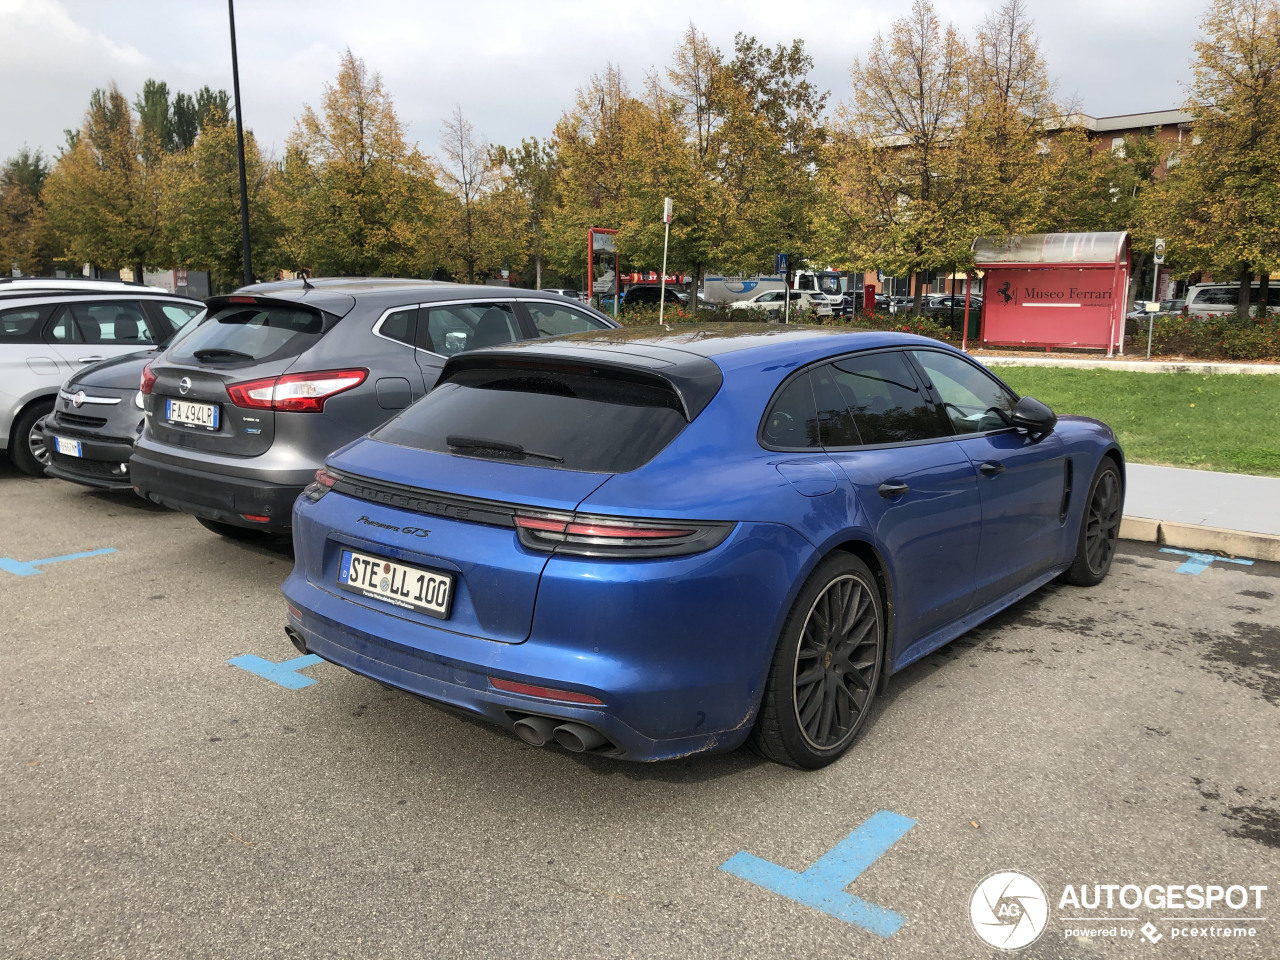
[[1054, 289]]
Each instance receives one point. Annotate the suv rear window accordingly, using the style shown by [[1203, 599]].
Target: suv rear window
[[545, 417], [253, 332]]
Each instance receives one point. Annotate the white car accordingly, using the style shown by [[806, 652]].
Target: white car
[[773, 301]]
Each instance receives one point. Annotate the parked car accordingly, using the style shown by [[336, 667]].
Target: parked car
[[48, 335], [26, 286], [648, 293], [98, 417], [774, 303], [568, 292], [241, 413], [948, 305], [668, 542], [1206, 300]]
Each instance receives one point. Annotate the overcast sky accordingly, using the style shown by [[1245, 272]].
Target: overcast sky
[[513, 66]]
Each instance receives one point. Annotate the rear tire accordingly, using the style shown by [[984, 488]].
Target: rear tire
[[1099, 528], [826, 668], [27, 447], [231, 531]]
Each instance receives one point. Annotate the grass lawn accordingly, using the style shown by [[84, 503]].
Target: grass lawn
[[1225, 422]]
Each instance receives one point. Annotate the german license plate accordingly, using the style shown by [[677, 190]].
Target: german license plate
[[414, 588], [68, 448], [192, 414]]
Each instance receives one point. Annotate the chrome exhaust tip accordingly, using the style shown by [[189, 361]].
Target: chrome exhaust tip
[[296, 639], [578, 738]]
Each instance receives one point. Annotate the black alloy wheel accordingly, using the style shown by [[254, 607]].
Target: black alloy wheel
[[1099, 529], [826, 669]]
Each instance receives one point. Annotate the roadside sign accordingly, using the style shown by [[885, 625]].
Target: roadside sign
[[666, 212], [1159, 251], [780, 263]]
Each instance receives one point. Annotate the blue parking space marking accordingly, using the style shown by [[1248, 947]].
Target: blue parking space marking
[[1198, 563], [285, 674], [29, 568], [822, 885]]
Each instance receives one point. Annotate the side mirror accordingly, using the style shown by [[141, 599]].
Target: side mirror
[[1034, 417]]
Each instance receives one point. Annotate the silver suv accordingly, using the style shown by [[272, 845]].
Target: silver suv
[[47, 335], [242, 411]]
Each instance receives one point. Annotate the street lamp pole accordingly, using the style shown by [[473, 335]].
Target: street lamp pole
[[244, 186]]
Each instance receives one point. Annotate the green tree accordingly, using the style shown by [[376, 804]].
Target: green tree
[[102, 197], [530, 171], [1219, 207], [483, 224], [190, 113], [24, 238], [352, 197]]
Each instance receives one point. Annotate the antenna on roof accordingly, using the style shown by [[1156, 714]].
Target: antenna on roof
[[306, 284]]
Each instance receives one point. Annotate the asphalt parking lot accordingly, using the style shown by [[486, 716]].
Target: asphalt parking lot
[[159, 801]]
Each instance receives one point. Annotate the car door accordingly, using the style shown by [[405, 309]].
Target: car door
[[917, 489], [1021, 479], [87, 331], [400, 379], [551, 318], [447, 329]]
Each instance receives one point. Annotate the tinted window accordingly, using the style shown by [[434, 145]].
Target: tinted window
[[588, 422], [835, 423], [401, 326], [116, 321], [20, 326], [792, 420], [240, 332], [556, 319], [178, 314], [974, 401], [1217, 295], [468, 326], [884, 399]]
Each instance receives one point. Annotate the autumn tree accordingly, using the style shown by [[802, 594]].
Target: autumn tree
[[352, 197], [893, 182], [529, 170], [200, 203], [102, 196], [24, 237], [1220, 204]]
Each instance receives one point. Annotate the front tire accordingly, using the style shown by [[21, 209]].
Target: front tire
[[826, 668], [1099, 528], [29, 449]]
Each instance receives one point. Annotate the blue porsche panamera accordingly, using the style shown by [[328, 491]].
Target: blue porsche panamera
[[647, 543]]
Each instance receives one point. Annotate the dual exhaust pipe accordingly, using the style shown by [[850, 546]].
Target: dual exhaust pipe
[[574, 737]]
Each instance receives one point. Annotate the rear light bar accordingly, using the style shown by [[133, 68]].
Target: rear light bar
[[295, 392], [543, 693], [321, 484], [148, 380], [592, 536]]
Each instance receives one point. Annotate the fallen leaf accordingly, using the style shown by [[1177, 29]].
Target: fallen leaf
[[974, 824]]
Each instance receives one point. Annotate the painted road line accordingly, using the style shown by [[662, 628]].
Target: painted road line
[[1198, 563], [28, 568], [285, 674], [822, 885]]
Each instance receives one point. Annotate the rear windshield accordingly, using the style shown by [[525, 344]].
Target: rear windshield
[[240, 333], [546, 418]]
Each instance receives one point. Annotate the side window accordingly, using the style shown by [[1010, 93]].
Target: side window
[[974, 401], [112, 322], [556, 319], [792, 419], [468, 326], [885, 400], [179, 314], [64, 329], [20, 326], [401, 326], [835, 423]]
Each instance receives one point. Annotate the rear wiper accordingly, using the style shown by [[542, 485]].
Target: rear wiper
[[222, 353], [481, 443]]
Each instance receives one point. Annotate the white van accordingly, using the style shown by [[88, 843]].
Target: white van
[[1206, 300]]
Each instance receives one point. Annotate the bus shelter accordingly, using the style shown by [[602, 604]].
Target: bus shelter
[[1054, 290]]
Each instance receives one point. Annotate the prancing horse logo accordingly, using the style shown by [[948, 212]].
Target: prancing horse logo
[[1004, 292]]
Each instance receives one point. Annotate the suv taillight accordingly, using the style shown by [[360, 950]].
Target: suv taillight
[[148, 380], [295, 392], [617, 537]]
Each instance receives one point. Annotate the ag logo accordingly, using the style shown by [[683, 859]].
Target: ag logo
[[1009, 910]]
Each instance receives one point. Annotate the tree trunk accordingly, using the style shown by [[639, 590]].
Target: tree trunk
[[1264, 289], [1242, 299], [537, 268], [919, 293]]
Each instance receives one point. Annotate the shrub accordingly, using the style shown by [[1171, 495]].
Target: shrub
[[1218, 338], [922, 326]]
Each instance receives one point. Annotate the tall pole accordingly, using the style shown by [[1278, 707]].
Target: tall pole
[[662, 283], [244, 184]]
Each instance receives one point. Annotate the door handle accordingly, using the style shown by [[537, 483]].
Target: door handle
[[893, 488], [90, 359], [991, 468]]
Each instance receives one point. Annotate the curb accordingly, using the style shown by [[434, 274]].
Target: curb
[[1142, 366], [1194, 536]]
